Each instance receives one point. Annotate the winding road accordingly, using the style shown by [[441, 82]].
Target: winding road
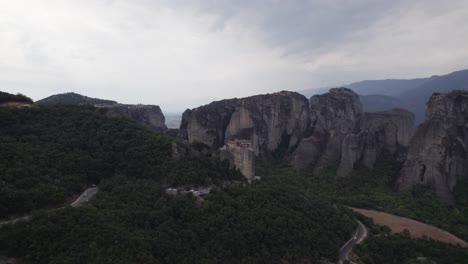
[[361, 233], [84, 197]]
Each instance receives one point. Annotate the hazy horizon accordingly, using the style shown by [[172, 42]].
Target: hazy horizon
[[182, 54]]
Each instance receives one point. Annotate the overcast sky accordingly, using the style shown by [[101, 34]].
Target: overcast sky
[[180, 54]]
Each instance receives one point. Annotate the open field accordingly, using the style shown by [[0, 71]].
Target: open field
[[416, 229]]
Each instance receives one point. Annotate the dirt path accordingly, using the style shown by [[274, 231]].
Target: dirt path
[[416, 229]]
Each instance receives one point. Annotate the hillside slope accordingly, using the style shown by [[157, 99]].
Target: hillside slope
[[73, 99], [48, 154]]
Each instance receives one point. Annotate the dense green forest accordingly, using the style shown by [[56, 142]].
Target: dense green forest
[[371, 189], [48, 154], [132, 221], [18, 98]]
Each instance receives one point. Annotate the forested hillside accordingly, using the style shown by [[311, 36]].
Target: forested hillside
[[134, 222], [48, 154]]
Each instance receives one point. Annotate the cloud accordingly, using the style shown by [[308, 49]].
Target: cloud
[[178, 53], [301, 25]]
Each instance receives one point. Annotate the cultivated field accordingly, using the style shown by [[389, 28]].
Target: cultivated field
[[416, 229]]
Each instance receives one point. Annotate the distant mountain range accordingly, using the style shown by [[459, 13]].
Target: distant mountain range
[[375, 95], [412, 94], [378, 102]]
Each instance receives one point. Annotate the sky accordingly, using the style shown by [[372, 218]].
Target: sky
[[184, 53]]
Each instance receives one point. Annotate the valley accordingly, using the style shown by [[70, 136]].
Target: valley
[[233, 132], [276, 165]]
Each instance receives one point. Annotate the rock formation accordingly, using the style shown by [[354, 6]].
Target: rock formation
[[271, 121], [148, 115], [333, 130], [207, 124], [386, 131], [334, 115], [438, 153], [341, 134]]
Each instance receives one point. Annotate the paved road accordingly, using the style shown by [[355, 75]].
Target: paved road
[[360, 234], [84, 197]]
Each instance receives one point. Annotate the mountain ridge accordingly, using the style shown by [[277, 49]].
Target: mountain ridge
[[412, 94]]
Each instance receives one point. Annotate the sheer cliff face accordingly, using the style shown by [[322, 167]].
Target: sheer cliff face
[[381, 132], [207, 124], [332, 131], [336, 113], [274, 119], [147, 115], [438, 153], [333, 115], [341, 134], [269, 120]]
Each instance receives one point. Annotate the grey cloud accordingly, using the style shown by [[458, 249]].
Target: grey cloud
[[179, 53], [299, 25]]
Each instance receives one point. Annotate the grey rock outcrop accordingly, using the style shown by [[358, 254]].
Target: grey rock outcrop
[[207, 124], [332, 131], [381, 132], [342, 134], [438, 153], [351, 151], [268, 120], [386, 131], [333, 116], [148, 115]]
